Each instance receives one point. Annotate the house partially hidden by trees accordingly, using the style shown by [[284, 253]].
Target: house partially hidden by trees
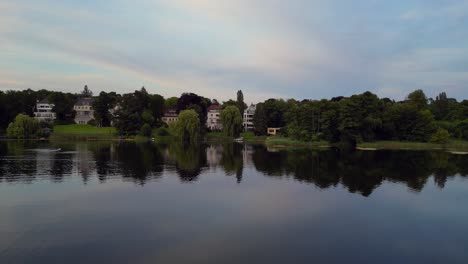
[[170, 116], [84, 110], [249, 117], [213, 122], [44, 111]]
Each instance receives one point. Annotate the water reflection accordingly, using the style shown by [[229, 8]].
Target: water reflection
[[359, 172]]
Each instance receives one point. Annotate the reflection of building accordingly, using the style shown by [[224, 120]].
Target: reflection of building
[[84, 110], [213, 155], [273, 130], [247, 154], [213, 121], [170, 116], [248, 117], [44, 111]]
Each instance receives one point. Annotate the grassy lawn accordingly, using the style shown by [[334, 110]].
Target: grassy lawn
[[83, 132]]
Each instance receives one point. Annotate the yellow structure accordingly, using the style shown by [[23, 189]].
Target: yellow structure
[[273, 130]]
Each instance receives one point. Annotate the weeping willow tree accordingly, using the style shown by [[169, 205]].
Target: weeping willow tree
[[187, 127], [232, 121]]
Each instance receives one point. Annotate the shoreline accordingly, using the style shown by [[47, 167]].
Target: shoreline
[[454, 146]]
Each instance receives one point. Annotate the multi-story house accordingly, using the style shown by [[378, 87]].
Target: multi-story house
[[170, 116], [248, 117], [84, 110], [213, 121], [44, 111]]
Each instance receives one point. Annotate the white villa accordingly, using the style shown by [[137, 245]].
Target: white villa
[[213, 120], [248, 117], [44, 111], [84, 110], [170, 116]]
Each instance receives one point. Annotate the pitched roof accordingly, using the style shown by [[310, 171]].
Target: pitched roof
[[214, 107], [170, 113], [84, 101], [43, 101]]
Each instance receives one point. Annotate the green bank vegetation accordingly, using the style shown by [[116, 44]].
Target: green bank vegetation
[[359, 120]]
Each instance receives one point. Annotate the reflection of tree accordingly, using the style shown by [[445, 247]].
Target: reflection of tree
[[62, 164], [361, 172], [189, 160], [103, 159], [20, 165], [232, 160], [139, 162]]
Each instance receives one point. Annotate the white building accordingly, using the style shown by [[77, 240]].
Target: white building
[[170, 116], [248, 117], [84, 110], [44, 111], [213, 121]]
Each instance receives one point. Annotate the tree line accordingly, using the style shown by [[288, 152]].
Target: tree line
[[358, 118], [366, 117]]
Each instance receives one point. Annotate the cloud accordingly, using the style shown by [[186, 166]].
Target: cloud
[[302, 49], [452, 11]]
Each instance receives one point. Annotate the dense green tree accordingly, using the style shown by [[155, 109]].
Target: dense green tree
[[170, 103], [409, 123], [156, 105], [260, 119], [190, 101], [232, 121], [275, 110], [147, 117], [102, 106], [240, 101], [63, 105], [230, 102], [23, 127], [145, 130], [187, 127], [418, 99], [86, 92]]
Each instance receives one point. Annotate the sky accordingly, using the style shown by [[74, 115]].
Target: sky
[[303, 49]]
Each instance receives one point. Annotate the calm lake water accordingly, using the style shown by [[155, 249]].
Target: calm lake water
[[232, 203]]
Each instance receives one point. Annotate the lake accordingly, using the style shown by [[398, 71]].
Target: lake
[[117, 202]]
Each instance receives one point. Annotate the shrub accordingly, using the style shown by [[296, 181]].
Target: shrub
[[145, 130], [162, 132], [442, 136], [92, 122]]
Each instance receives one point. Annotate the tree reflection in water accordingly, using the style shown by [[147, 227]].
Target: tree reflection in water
[[359, 172]]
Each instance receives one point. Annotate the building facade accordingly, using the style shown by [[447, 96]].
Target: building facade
[[170, 116], [213, 121], [44, 111], [84, 110], [248, 117]]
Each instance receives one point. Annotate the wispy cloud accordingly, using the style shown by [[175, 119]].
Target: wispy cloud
[[303, 49]]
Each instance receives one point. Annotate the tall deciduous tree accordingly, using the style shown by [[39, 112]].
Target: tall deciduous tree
[[63, 105], [187, 127], [240, 101], [260, 119], [232, 121], [170, 103], [23, 127], [86, 92], [418, 99], [102, 106]]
